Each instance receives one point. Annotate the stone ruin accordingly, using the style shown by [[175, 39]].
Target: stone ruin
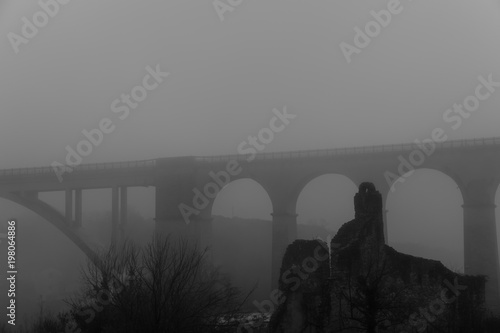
[[358, 283]]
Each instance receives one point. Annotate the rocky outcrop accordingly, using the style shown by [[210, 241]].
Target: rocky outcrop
[[361, 284], [305, 285]]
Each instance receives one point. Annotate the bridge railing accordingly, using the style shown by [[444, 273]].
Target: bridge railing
[[451, 144], [37, 171]]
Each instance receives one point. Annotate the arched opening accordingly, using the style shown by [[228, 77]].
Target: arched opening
[[96, 212], [49, 262], [425, 218], [243, 198], [49, 281], [242, 235], [324, 205]]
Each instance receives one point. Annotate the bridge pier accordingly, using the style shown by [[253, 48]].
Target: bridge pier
[[73, 207], [198, 232], [78, 208], [169, 220], [171, 226], [480, 239], [123, 208], [115, 215], [201, 234], [69, 207], [284, 233], [118, 213]]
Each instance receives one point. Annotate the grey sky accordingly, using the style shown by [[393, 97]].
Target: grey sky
[[226, 77]]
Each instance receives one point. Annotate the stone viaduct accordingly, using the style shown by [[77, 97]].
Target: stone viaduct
[[187, 187]]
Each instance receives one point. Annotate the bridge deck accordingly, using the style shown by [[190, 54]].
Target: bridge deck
[[151, 164], [451, 144]]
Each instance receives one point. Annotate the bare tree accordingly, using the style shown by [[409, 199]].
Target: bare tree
[[168, 286]]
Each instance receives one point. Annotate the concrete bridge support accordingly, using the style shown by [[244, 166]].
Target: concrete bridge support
[[170, 194], [118, 213], [55, 217], [73, 207], [78, 208], [68, 202], [201, 233], [168, 220], [115, 215], [284, 233], [123, 209], [480, 243], [480, 237]]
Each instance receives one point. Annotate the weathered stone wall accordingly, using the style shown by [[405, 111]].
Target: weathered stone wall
[[304, 281], [365, 285]]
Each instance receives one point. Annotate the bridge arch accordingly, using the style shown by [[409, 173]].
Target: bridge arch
[[244, 191], [327, 196], [55, 218], [445, 171], [414, 215], [311, 178], [233, 241]]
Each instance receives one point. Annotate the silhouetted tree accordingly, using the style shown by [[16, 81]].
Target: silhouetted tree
[[168, 286]]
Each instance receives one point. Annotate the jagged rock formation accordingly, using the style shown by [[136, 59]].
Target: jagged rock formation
[[361, 284], [305, 286]]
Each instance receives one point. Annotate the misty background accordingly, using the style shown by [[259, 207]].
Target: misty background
[[225, 79]]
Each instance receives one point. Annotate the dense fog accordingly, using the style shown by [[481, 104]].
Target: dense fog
[[227, 71]]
